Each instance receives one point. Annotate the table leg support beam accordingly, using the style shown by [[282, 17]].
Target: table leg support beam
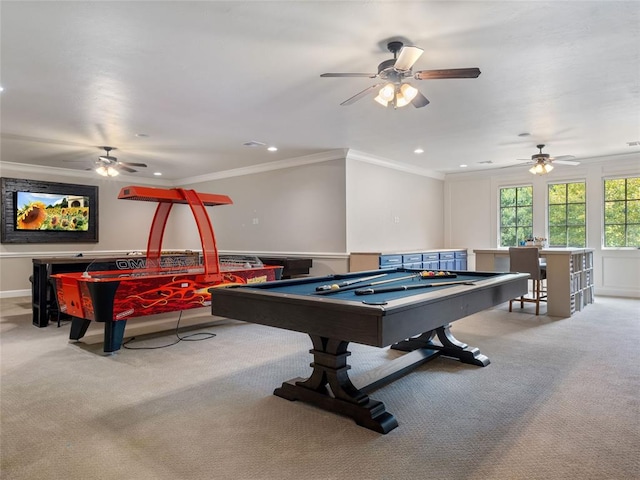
[[371, 414], [449, 346], [330, 388]]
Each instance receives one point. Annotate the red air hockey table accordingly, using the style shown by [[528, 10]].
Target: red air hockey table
[[113, 297]]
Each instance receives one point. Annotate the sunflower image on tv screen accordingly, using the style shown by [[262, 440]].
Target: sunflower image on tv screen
[[48, 211]]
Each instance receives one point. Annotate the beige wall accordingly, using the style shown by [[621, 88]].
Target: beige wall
[[297, 210], [293, 210], [392, 210], [327, 209]]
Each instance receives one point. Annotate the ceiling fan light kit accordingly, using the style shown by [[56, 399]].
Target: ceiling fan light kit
[[396, 92], [398, 95], [405, 94], [543, 161], [107, 171], [109, 166], [541, 168]]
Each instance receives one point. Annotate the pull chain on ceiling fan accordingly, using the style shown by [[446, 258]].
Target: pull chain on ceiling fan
[[393, 71]]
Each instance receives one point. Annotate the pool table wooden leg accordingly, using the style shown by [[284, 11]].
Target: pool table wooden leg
[[449, 346], [330, 388]]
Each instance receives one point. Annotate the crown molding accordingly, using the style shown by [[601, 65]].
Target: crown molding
[[385, 162], [267, 167], [622, 163], [84, 174]]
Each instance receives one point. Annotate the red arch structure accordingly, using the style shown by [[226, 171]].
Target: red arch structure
[[166, 198]]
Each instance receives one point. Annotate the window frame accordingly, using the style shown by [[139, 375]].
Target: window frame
[[499, 223], [586, 214], [603, 203]]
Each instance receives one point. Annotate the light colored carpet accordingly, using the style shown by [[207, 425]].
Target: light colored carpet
[[560, 400]]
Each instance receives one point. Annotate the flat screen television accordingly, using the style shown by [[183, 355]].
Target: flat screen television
[[50, 211], [45, 212]]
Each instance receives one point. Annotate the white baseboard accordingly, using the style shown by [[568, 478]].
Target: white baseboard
[[617, 292], [15, 293]]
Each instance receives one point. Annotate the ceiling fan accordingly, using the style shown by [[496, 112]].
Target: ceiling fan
[[392, 72], [109, 166], [542, 162]]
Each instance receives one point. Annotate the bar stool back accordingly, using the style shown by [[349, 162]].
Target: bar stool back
[[527, 260]]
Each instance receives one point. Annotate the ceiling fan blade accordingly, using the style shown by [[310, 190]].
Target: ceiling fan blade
[[126, 169], [562, 157], [368, 75], [358, 96], [408, 56], [419, 101], [565, 162], [132, 164], [447, 73]]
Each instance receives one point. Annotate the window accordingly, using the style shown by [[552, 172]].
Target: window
[[516, 215], [622, 212], [567, 215]]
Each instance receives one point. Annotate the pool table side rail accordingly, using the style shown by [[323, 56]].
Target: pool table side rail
[[353, 321], [463, 301]]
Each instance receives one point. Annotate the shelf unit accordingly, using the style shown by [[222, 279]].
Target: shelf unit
[[581, 268], [569, 276], [441, 259]]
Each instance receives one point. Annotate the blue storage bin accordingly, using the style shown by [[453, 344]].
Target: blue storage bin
[[431, 257], [417, 265], [435, 265], [387, 261], [412, 258]]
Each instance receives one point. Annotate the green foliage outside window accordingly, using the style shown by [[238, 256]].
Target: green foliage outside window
[[516, 215], [622, 212], [567, 215]]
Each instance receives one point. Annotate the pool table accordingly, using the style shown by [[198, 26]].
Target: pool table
[[396, 307]]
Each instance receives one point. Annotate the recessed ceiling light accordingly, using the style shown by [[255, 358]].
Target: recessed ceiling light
[[463, 166], [418, 150], [273, 149], [1, 89], [157, 174]]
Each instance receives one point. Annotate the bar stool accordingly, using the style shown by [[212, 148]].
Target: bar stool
[[527, 260]]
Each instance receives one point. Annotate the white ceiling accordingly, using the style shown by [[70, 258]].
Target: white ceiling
[[202, 78]]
